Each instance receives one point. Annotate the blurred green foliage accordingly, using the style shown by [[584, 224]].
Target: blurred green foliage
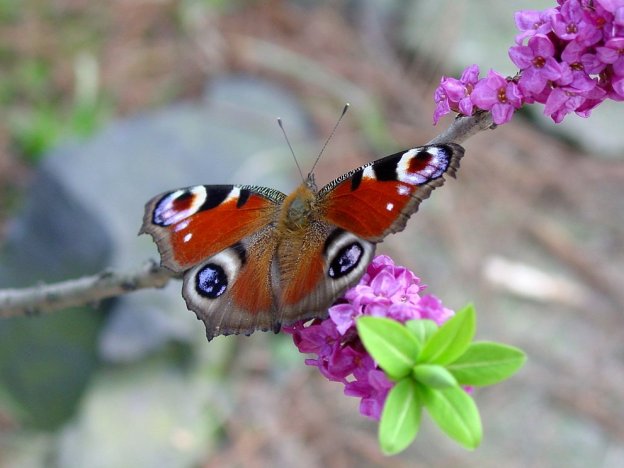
[[40, 117], [44, 97]]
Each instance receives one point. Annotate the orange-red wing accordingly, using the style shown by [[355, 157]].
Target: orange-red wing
[[378, 198], [301, 267], [191, 224], [231, 292], [251, 291]]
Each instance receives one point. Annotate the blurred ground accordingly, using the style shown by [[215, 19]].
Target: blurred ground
[[531, 231]]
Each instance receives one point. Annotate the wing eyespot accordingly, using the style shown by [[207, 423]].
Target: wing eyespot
[[213, 278], [346, 255], [211, 281], [177, 206], [346, 260]]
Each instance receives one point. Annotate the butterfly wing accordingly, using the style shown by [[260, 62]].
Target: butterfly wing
[[232, 291], [194, 223], [316, 268], [223, 238], [378, 198], [352, 214]]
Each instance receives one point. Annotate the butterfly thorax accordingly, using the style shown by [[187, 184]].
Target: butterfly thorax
[[297, 209]]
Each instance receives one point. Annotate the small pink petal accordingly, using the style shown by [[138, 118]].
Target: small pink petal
[[522, 56], [501, 113], [470, 75], [541, 46], [343, 315]]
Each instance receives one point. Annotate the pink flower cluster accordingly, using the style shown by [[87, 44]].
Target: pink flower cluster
[[571, 58], [385, 290]]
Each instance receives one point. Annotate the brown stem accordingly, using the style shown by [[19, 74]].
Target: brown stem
[[464, 128], [45, 298]]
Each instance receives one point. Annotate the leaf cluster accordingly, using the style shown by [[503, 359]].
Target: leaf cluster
[[431, 366]]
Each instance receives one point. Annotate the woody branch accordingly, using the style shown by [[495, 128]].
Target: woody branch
[[45, 298]]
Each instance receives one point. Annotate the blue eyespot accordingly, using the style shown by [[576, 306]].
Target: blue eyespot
[[345, 260], [211, 281]]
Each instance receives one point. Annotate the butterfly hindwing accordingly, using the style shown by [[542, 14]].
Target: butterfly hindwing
[[232, 291], [317, 269], [378, 198]]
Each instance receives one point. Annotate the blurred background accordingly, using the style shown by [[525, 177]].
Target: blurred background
[[105, 104]]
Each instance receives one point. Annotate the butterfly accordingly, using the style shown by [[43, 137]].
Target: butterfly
[[253, 258]]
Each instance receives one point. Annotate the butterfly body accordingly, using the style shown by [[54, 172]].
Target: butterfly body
[[254, 258]]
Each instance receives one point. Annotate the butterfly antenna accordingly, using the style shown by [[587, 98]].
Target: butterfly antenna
[[344, 111], [281, 125]]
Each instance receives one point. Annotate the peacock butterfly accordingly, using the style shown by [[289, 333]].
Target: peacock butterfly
[[254, 258]]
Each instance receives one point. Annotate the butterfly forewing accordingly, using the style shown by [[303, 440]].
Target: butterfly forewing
[[378, 198], [194, 223]]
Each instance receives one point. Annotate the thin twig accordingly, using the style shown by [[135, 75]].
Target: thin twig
[[47, 298], [464, 128]]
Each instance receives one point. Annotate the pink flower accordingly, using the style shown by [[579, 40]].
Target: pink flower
[[454, 94], [572, 61], [385, 290], [600, 18], [571, 23], [616, 8], [579, 56], [372, 386], [576, 92], [536, 62], [560, 103], [531, 22], [498, 95], [430, 307], [613, 54], [617, 86]]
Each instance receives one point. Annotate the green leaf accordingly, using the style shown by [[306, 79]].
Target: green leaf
[[36, 131], [433, 376], [400, 418], [486, 363], [390, 344], [450, 340], [455, 412], [422, 329]]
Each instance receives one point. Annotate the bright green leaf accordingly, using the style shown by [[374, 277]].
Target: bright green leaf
[[390, 344], [455, 412], [486, 363], [433, 376], [450, 340], [422, 329], [400, 418]]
